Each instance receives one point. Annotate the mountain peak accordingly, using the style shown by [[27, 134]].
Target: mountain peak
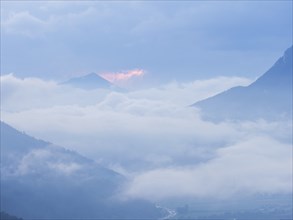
[[89, 82], [91, 75], [279, 75]]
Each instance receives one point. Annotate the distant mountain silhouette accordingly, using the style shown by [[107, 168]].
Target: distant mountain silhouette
[[269, 97], [40, 180], [89, 82]]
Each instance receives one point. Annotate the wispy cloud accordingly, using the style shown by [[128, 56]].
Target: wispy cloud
[[120, 78]]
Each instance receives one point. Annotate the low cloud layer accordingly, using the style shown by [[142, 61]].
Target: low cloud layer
[[30, 93], [257, 165], [154, 138]]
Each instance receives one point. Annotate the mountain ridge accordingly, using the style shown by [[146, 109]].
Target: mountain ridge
[[269, 97], [40, 180]]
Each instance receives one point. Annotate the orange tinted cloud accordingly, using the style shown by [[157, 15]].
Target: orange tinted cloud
[[122, 76]]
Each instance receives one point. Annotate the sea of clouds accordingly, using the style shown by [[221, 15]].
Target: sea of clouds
[[155, 138]]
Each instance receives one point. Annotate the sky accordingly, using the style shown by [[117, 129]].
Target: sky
[[176, 40]]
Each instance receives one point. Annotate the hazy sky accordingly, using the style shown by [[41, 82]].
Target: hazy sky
[[167, 40]]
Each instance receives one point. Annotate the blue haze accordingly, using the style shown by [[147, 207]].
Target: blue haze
[[146, 147]]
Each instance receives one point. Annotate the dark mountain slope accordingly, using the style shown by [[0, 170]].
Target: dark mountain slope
[[6, 216], [40, 180], [269, 97]]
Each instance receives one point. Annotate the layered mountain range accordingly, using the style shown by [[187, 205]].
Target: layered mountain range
[[40, 180]]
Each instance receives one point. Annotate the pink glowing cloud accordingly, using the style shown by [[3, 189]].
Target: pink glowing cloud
[[122, 76]]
